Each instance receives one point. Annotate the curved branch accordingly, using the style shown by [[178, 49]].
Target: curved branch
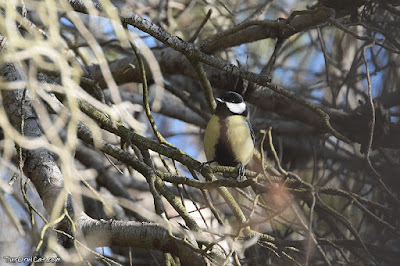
[[139, 235]]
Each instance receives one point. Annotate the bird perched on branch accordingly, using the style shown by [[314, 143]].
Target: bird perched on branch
[[229, 137]]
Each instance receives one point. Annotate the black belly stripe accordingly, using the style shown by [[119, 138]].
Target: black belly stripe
[[223, 150]]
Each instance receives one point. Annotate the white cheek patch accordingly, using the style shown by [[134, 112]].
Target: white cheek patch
[[236, 108]]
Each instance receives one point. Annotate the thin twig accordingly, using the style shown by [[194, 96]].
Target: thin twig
[[207, 88], [196, 33], [146, 104], [372, 126]]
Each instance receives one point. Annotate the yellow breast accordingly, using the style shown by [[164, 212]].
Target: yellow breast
[[240, 138]]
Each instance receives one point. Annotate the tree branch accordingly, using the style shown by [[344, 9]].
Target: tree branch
[[38, 163]]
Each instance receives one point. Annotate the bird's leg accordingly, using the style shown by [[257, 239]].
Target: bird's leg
[[241, 170]]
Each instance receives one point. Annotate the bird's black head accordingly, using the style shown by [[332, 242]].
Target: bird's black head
[[231, 97], [231, 103]]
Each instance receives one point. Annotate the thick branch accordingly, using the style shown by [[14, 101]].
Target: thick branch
[[138, 235], [38, 164], [259, 30]]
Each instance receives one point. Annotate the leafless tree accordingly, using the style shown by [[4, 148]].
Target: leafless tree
[[103, 107]]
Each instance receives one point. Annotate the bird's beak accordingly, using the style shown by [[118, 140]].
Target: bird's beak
[[219, 100]]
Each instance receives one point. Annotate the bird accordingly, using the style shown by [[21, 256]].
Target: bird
[[229, 137]]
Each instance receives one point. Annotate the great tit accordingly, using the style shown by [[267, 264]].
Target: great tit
[[229, 137]]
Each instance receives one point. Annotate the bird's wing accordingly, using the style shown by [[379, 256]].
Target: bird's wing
[[253, 137]]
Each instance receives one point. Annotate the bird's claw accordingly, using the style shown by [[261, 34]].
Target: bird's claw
[[241, 170]]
